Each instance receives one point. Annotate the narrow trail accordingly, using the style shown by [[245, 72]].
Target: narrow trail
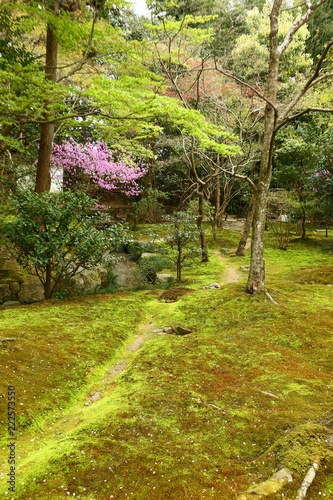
[[231, 274], [97, 396], [118, 367]]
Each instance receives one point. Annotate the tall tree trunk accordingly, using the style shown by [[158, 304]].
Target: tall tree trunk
[[203, 240], [226, 198], [218, 201], [303, 224], [256, 279], [200, 188], [179, 263], [43, 179], [247, 226]]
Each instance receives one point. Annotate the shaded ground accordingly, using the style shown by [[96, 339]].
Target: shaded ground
[[167, 417]]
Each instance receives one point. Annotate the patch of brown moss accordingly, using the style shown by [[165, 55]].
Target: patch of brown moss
[[174, 294], [314, 275]]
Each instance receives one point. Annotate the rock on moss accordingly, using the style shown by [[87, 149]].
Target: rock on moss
[[86, 280], [5, 292], [31, 292], [14, 287]]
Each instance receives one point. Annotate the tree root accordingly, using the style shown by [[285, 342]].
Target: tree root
[[307, 481], [268, 295]]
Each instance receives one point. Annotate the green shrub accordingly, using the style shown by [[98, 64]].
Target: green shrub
[[149, 208], [137, 248], [53, 236]]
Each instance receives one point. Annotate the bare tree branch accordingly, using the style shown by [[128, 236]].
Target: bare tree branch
[[321, 79], [241, 82], [299, 23], [313, 80], [301, 113], [83, 61]]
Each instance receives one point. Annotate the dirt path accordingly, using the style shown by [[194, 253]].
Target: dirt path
[[119, 367], [231, 274]]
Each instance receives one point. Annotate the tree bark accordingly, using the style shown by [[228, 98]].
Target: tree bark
[[247, 226], [203, 240], [48, 281], [43, 178], [179, 263], [256, 279], [303, 224], [218, 201], [226, 198]]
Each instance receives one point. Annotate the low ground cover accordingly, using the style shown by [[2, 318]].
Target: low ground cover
[[200, 416]]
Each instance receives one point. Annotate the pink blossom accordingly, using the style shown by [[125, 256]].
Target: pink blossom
[[97, 161]]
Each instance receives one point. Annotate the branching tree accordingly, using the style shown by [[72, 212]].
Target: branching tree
[[279, 111]]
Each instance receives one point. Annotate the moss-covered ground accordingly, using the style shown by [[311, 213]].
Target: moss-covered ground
[[206, 415]]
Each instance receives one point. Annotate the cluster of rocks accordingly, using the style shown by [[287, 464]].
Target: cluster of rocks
[[15, 293], [89, 280]]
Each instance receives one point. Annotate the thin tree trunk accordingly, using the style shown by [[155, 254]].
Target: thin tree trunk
[[226, 198], [303, 224], [179, 263], [203, 240], [48, 281], [218, 201], [43, 179], [247, 226]]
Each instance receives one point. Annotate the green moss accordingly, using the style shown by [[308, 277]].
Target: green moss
[[201, 416]]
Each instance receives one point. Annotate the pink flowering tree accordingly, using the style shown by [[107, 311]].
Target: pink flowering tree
[[97, 163]]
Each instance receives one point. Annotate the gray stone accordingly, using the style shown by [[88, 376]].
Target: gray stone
[[181, 330], [77, 282], [87, 280], [11, 303], [5, 292], [14, 287], [213, 285], [31, 292], [92, 279], [164, 278], [103, 274], [165, 330]]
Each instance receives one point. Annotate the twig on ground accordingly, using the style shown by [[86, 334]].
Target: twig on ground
[[269, 394]]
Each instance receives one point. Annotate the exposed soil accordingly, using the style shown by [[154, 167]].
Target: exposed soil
[[231, 275], [233, 223], [174, 294]]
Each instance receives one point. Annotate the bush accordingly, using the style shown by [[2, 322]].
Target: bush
[[148, 272], [54, 237], [151, 266], [137, 248], [149, 209]]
